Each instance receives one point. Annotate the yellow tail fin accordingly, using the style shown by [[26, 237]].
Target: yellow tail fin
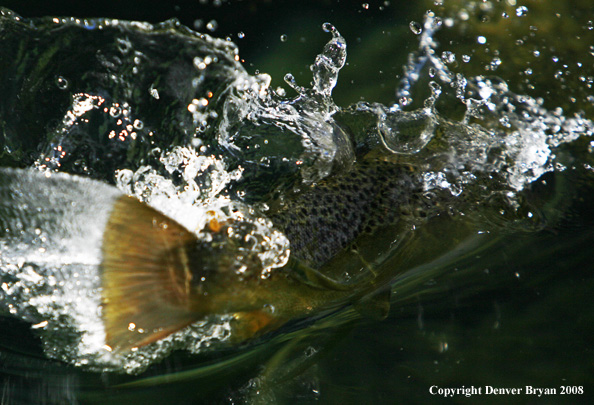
[[146, 277]]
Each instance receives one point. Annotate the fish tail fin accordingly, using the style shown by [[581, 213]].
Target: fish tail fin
[[146, 277]]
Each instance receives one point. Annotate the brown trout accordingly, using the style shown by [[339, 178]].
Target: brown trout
[[350, 235], [343, 231]]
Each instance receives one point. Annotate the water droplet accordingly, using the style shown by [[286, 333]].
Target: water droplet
[[327, 27], [280, 91], [415, 27], [200, 63], [365, 6], [240, 35], [448, 57], [283, 38], [435, 88], [436, 22], [521, 11], [115, 111], [62, 83], [495, 63], [404, 101], [329, 62], [154, 93], [429, 102], [481, 40], [212, 25], [269, 308], [505, 121], [466, 58], [310, 351]]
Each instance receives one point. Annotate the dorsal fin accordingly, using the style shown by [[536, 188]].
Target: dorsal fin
[[146, 277]]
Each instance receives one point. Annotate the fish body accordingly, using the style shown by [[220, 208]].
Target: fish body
[[329, 226], [349, 236]]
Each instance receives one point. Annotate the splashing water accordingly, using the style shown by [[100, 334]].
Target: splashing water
[[524, 133], [275, 136], [233, 141], [189, 183]]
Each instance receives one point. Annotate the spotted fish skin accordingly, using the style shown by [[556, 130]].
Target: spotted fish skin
[[326, 218]]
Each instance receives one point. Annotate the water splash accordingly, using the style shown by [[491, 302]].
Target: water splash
[[231, 132], [329, 62], [517, 128], [276, 136]]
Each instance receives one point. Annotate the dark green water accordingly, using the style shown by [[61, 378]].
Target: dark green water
[[511, 309]]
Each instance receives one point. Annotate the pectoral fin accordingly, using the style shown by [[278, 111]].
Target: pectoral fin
[[145, 276], [316, 278]]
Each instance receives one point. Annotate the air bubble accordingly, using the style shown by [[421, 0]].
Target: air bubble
[[448, 57], [283, 38], [415, 27], [62, 83], [115, 111]]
